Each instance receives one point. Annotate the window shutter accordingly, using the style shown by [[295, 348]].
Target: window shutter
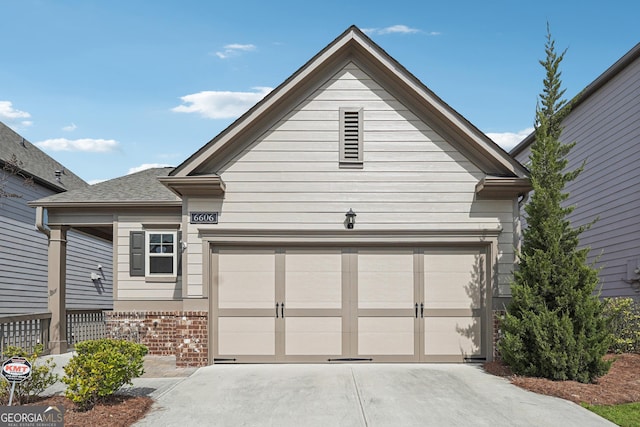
[[179, 254], [136, 253], [351, 137]]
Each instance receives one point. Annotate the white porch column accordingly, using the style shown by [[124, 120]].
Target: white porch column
[[57, 289]]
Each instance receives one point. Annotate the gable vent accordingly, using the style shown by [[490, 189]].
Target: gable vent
[[351, 137]]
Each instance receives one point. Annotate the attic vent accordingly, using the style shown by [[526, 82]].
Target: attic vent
[[351, 137]]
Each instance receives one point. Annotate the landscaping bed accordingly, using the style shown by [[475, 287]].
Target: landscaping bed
[[620, 385]]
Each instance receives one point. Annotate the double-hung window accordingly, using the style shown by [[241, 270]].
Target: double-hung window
[[161, 253], [154, 253]]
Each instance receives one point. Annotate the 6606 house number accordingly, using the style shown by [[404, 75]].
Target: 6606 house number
[[204, 217]]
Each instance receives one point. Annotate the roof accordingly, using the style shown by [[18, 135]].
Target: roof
[[138, 189], [354, 45], [592, 88], [36, 163]]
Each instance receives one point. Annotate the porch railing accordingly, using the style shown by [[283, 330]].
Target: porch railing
[[83, 325], [28, 330], [25, 331]]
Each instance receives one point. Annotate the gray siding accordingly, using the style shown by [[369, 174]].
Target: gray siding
[[23, 259], [606, 129]]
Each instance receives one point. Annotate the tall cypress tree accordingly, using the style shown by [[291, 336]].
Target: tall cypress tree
[[553, 327]]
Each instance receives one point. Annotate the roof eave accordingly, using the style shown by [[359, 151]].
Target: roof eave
[[200, 185], [105, 204], [492, 187]]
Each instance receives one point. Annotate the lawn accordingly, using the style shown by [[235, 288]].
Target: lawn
[[625, 415]]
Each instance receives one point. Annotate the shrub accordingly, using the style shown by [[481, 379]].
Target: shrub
[[623, 315], [41, 376], [100, 368]]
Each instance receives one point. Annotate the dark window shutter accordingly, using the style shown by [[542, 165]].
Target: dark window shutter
[[136, 253], [178, 252]]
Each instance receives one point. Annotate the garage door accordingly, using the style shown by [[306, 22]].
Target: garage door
[[342, 304]]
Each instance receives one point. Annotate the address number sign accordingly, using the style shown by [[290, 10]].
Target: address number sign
[[203, 217]]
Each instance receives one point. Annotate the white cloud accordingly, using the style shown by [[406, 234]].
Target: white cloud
[[95, 181], [403, 29], [8, 112], [234, 49], [70, 128], [84, 144], [12, 116], [395, 29], [146, 166], [221, 104], [508, 140]]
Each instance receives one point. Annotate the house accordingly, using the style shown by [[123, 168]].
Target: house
[[349, 215], [23, 249], [605, 125]]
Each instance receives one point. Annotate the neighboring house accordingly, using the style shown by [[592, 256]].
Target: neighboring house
[[23, 249], [605, 125], [349, 215]]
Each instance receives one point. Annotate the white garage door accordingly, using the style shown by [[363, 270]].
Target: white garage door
[[319, 305]]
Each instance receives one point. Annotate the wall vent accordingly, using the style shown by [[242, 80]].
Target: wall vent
[[351, 137]]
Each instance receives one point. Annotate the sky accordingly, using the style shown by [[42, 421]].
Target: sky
[[111, 87]]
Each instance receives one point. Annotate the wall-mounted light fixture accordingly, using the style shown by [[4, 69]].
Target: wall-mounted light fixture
[[351, 218]]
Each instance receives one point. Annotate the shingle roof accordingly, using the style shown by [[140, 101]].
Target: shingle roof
[[35, 162], [139, 188]]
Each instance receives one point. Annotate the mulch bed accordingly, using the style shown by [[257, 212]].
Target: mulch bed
[[117, 411], [620, 385]]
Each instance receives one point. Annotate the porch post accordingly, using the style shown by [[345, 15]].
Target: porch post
[[57, 289]]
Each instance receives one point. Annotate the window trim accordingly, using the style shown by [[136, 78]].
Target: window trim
[[148, 255], [346, 141]]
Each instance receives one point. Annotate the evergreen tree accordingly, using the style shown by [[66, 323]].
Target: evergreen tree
[[554, 326]]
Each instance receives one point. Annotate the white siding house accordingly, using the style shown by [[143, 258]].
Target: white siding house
[[350, 215], [605, 125]]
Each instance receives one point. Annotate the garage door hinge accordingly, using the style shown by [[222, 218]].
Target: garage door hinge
[[350, 359]]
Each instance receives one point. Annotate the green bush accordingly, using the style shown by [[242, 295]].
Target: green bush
[[100, 368], [623, 315], [41, 376]]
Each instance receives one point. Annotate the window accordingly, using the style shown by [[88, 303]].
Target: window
[[161, 252], [351, 137], [153, 253]]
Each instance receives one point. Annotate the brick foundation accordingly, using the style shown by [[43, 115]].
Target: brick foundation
[[183, 334]]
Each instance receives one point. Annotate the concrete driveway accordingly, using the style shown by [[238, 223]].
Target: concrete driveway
[[357, 395]]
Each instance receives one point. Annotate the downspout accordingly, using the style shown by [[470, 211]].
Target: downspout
[[40, 222]]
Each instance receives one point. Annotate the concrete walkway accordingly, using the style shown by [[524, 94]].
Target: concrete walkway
[[399, 395]]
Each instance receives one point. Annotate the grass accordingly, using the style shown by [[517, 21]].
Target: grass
[[625, 415]]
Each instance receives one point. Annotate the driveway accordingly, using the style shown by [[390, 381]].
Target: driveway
[[395, 395]]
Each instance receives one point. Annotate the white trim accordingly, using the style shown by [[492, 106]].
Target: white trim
[[148, 255]]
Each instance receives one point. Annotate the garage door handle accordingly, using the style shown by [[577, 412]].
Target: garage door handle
[[277, 307], [416, 310], [421, 309], [282, 310]]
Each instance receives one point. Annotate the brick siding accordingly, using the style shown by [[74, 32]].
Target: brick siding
[[183, 334]]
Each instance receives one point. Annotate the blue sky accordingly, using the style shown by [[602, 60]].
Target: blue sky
[[107, 87]]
